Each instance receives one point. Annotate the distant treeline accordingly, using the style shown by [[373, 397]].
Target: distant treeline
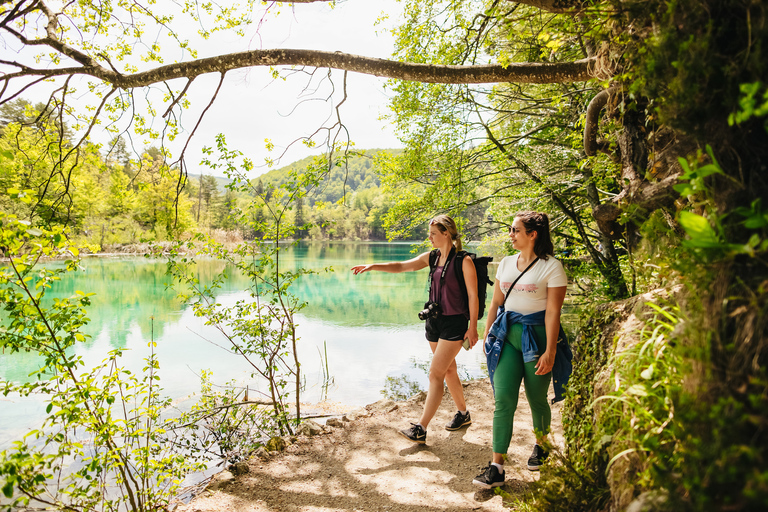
[[349, 204], [110, 197]]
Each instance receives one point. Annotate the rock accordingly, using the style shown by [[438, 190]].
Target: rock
[[275, 444], [309, 428], [355, 414], [418, 397], [334, 422], [261, 453], [648, 502], [220, 479], [381, 405], [239, 468]]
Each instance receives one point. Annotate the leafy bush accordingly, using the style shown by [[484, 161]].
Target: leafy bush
[[102, 443]]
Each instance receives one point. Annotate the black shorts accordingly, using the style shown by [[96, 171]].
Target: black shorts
[[447, 327]]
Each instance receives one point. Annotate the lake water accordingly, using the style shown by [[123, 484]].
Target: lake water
[[366, 324]]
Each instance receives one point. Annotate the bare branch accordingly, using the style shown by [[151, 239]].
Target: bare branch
[[19, 92], [176, 100], [182, 169]]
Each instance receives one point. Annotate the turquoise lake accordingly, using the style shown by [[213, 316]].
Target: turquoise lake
[[367, 325]]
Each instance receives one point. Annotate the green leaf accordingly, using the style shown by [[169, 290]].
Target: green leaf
[[49, 409], [756, 222], [698, 228], [684, 189], [8, 488], [708, 170], [686, 168], [647, 373]]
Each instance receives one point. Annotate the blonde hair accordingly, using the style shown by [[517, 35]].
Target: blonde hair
[[446, 224]]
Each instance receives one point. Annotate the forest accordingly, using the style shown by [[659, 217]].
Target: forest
[[640, 127], [117, 201]]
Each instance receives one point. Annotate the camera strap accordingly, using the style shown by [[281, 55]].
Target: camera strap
[[442, 275], [517, 279]]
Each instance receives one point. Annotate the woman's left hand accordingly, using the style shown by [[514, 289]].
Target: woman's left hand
[[545, 363], [471, 335]]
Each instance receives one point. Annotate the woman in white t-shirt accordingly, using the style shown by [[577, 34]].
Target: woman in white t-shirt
[[531, 310]]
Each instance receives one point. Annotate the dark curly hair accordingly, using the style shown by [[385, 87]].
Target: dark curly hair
[[538, 222]]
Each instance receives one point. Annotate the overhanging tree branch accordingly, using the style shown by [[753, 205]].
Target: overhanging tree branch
[[529, 72], [555, 6], [591, 144]]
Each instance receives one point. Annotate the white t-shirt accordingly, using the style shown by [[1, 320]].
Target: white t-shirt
[[530, 292]]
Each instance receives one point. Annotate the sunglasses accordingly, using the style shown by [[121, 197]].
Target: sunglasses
[[516, 231]]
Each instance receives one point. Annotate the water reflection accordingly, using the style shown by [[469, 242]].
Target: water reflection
[[368, 324]]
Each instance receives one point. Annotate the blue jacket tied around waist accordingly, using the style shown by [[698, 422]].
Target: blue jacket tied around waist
[[494, 343]]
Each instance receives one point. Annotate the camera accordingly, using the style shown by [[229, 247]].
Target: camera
[[431, 310]]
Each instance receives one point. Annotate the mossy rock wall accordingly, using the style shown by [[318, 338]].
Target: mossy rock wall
[[606, 331]]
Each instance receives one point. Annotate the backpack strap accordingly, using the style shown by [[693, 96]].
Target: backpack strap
[[459, 269], [433, 255], [433, 259]]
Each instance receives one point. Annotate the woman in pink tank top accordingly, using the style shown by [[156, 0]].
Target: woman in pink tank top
[[451, 319]]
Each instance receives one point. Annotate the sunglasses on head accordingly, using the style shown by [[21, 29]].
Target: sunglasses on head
[[436, 223]]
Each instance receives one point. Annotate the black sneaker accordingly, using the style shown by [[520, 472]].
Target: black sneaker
[[490, 477], [416, 433], [458, 421], [537, 458]]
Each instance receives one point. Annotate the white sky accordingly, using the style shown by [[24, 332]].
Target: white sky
[[252, 107]]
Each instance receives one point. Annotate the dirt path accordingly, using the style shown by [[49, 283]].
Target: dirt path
[[364, 465]]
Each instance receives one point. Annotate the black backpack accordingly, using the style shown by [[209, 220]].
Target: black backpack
[[481, 268]]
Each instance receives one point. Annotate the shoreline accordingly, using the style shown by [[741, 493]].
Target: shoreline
[[364, 464], [158, 249]]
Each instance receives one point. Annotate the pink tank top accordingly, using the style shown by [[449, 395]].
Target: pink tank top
[[451, 300]]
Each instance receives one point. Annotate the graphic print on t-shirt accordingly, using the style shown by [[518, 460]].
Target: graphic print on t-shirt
[[530, 293], [530, 288]]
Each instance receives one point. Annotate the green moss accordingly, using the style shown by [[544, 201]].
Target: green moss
[[576, 480]]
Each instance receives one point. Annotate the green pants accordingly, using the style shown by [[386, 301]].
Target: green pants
[[510, 372]]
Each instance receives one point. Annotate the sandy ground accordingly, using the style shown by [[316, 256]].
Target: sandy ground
[[365, 465]]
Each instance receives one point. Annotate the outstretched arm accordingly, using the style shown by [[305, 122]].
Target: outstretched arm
[[395, 267]]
